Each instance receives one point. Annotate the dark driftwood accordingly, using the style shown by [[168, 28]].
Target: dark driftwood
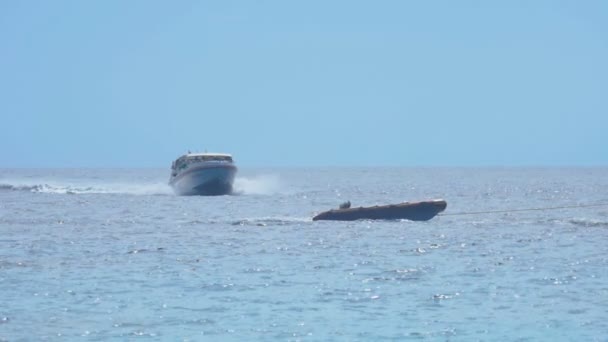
[[415, 211]]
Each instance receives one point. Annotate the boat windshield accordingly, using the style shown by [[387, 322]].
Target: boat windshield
[[182, 161], [217, 158], [210, 159]]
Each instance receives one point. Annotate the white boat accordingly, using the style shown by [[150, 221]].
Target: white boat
[[205, 174]]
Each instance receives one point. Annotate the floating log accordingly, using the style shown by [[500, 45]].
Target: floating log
[[414, 211]]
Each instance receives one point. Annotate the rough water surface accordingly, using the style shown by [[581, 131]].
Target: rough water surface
[[108, 255]]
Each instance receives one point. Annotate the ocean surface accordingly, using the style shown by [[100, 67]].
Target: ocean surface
[[113, 255]]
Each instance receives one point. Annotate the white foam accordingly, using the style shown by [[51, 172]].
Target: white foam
[[258, 185]]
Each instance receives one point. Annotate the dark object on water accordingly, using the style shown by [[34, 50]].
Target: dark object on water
[[415, 211], [345, 205]]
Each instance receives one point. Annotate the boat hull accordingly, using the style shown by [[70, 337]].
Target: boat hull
[[416, 211], [204, 181]]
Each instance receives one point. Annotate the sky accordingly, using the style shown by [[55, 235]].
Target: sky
[[304, 83]]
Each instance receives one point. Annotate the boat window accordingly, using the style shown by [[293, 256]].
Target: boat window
[[194, 159], [213, 158]]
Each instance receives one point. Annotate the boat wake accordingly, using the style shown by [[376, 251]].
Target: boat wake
[[116, 188], [259, 185]]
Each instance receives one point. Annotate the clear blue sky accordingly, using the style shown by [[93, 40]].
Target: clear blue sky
[[304, 83]]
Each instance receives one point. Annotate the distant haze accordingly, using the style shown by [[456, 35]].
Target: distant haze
[[304, 83]]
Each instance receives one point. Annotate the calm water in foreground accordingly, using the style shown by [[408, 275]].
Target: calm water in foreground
[[113, 255]]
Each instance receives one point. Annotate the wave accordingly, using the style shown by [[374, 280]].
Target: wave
[[272, 221], [589, 223], [252, 221], [117, 188]]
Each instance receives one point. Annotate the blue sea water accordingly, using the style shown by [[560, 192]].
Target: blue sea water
[[113, 255]]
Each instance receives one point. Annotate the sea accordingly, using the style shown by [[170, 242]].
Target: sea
[[520, 254]]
